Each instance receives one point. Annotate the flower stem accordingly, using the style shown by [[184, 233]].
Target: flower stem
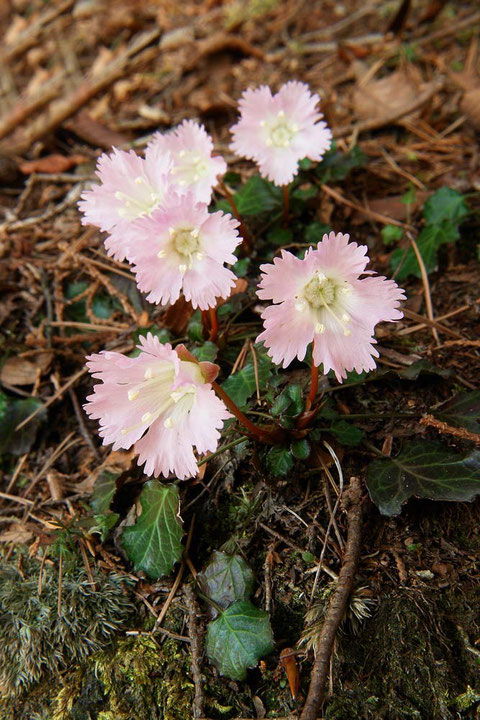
[[313, 384], [286, 204], [205, 323], [271, 437], [247, 240], [214, 324]]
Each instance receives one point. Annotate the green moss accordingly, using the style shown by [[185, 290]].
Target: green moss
[[36, 640], [408, 661]]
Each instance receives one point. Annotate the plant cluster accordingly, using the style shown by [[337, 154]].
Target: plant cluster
[[160, 214]]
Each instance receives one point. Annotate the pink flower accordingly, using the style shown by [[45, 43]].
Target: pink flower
[[194, 168], [162, 405], [322, 299], [183, 248], [130, 187], [277, 131]]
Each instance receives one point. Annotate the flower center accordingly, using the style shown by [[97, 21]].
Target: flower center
[[189, 167], [141, 200], [185, 242], [324, 298], [280, 131], [320, 291], [155, 396]]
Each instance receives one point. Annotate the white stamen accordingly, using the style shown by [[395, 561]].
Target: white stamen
[[281, 114], [262, 123], [168, 422], [161, 253], [300, 305], [269, 142], [195, 233], [148, 374], [200, 256], [345, 317], [182, 268], [146, 417], [320, 328], [171, 231], [182, 153], [139, 180], [133, 394]]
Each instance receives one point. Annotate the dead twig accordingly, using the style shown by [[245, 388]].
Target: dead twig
[[443, 427], [352, 502], [196, 651], [65, 107], [426, 285]]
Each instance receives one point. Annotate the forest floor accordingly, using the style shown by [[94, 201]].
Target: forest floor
[[400, 89]]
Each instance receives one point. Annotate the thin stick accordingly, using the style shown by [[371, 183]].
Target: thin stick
[[175, 585], [426, 285], [57, 395], [338, 602], [60, 578], [196, 652]]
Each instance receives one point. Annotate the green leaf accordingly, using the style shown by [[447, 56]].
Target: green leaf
[[241, 267], [336, 165], [195, 327], [315, 231], [226, 579], [289, 399], [153, 543], [424, 470], [258, 196], [463, 411], [206, 352], [428, 242], [305, 164], [280, 236], [238, 638], [300, 449], [103, 491], [241, 385], [279, 461], [421, 367], [445, 204], [103, 523], [346, 434], [391, 233], [12, 413]]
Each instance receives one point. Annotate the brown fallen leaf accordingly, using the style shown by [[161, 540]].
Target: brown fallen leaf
[[470, 106], [287, 656], [52, 164], [178, 316], [93, 132], [17, 533], [240, 286], [24, 371], [379, 98]]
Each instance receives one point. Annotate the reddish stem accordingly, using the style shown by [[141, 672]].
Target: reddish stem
[[272, 437], [214, 324], [313, 383], [205, 324], [286, 204]]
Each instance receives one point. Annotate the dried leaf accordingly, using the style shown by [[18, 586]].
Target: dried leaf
[[289, 663], [93, 132], [24, 371], [52, 164], [470, 106], [379, 98]]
